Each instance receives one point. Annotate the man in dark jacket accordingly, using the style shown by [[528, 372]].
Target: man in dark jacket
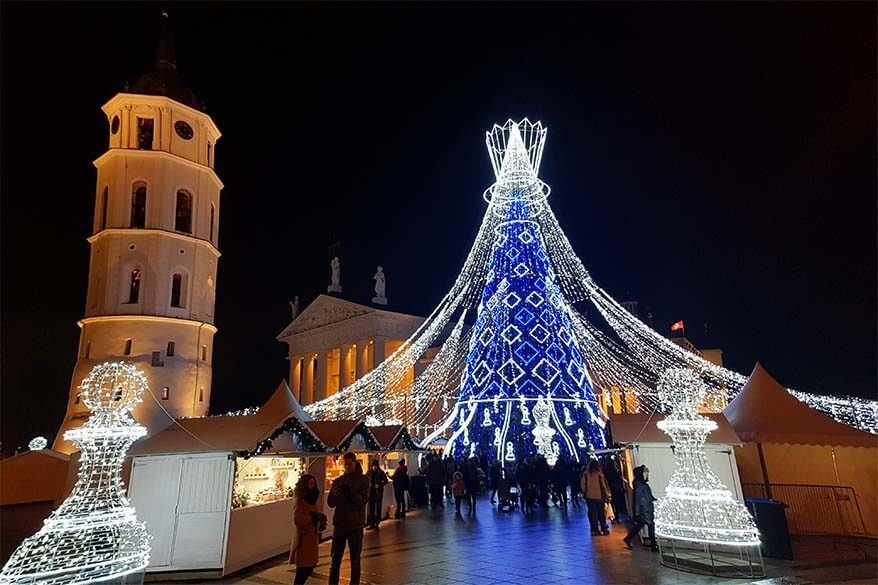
[[401, 483], [436, 480], [348, 495], [644, 508]]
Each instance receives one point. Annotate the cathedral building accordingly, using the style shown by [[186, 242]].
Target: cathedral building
[[154, 248], [335, 342]]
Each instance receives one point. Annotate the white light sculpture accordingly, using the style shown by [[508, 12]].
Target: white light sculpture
[[94, 534], [37, 444], [628, 358], [697, 507]]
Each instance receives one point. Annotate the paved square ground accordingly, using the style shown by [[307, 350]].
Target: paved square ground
[[438, 548]]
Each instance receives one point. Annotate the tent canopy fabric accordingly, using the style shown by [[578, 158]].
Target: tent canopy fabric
[[641, 428], [764, 412], [224, 433]]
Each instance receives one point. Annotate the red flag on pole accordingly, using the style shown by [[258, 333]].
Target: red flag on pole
[[677, 326]]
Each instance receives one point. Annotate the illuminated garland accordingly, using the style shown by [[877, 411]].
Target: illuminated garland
[[94, 534], [294, 427], [364, 432], [624, 370], [697, 507], [404, 442]]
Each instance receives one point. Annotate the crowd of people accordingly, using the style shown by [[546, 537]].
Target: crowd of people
[[529, 484]]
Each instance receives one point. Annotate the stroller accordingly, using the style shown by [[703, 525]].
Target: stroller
[[507, 495]]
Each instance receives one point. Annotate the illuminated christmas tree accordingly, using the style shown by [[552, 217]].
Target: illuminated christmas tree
[[697, 507], [525, 388], [94, 534], [620, 356]]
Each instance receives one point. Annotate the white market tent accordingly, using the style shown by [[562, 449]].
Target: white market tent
[[182, 482], [826, 471]]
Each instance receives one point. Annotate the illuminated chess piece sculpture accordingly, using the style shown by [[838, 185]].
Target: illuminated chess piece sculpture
[[697, 507], [94, 534]]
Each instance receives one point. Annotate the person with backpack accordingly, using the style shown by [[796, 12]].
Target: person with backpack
[[644, 508]]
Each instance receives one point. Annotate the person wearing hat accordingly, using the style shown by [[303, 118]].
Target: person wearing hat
[[348, 495]]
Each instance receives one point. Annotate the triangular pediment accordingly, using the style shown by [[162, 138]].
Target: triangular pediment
[[324, 310]]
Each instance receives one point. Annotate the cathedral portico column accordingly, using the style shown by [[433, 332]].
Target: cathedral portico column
[[308, 379], [378, 349], [321, 378], [362, 358], [344, 366], [296, 376]]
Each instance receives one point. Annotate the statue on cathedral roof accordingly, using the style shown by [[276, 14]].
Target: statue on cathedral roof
[[335, 283], [380, 297]]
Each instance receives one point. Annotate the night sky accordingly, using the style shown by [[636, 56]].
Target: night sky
[[715, 162]]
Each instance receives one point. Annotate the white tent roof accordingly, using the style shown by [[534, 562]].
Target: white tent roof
[[764, 412]]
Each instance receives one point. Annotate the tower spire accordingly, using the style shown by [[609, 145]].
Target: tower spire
[[165, 53]]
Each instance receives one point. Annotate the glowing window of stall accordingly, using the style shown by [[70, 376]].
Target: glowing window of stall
[[262, 480]]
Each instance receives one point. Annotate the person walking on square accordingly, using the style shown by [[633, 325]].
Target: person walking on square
[[597, 493], [495, 472], [436, 479], [309, 522], [524, 476], [450, 468], [348, 495], [377, 481], [542, 477], [401, 483], [644, 508], [471, 477], [458, 488], [559, 481], [617, 488], [574, 470]]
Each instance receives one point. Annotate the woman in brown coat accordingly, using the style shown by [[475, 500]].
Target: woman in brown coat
[[308, 520]]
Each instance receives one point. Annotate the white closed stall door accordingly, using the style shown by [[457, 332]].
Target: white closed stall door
[[155, 483], [202, 512]]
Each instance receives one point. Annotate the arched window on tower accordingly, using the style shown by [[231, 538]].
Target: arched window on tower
[[183, 220], [177, 297], [134, 286], [105, 201], [138, 205], [212, 218], [145, 128]]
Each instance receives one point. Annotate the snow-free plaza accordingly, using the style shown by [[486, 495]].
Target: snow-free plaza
[[519, 418]]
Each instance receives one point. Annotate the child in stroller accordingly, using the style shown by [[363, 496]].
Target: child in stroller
[[507, 494]]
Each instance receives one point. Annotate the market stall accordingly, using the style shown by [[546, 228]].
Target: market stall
[[214, 496]]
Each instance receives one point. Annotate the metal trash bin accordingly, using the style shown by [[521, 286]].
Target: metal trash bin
[[418, 490], [771, 520]]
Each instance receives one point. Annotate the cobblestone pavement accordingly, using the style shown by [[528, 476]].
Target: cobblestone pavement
[[437, 548]]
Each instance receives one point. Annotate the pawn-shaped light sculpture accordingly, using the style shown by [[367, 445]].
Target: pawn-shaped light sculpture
[[697, 507], [94, 534]]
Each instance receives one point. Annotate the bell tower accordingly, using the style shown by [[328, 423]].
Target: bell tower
[[154, 248]]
